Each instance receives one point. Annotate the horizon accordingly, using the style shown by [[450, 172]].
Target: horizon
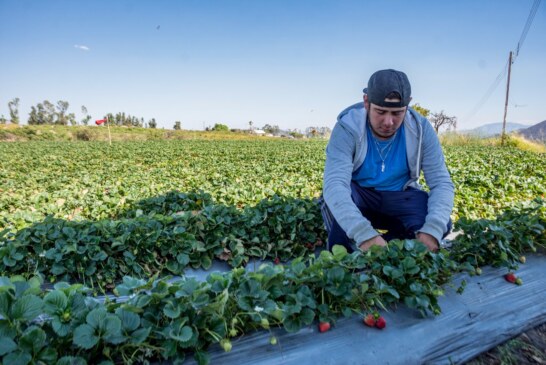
[[291, 64]]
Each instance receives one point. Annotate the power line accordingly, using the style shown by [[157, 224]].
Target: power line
[[489, 92], [530, 19], [502, 74]]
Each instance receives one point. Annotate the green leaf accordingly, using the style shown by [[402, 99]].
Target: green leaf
[[71, 360], [171, 310], [339, 252], [202, 357], [140, 335], [183, 259], [17, 358], [60, 328], [6, 345], [111, 325], [55, 301], [6, 284], [32, 340], [129, 320], [409, 245], [96, 317], [48, 355], [84, 336], [182, 334], [5, 302], [27, 308]]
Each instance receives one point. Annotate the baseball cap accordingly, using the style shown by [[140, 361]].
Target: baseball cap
[[384, 82]]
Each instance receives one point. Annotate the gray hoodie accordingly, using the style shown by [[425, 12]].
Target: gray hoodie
[[346, 151]]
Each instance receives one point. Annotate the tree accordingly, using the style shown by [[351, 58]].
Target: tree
[[312, 132], [220, 127], [86, 117], [250, 125], [43, 113], [272, 129], [152, 123], [13, 106], [62, 107], [419, 109], [439, 120], [177, 125], [3, 119]]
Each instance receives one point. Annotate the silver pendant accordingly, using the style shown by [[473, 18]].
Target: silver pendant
[[383, 167]]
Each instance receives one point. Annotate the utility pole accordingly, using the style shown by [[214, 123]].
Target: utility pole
[[503, 136]]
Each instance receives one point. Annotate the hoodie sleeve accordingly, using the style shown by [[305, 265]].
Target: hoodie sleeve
[[337, 186], [442, 190]]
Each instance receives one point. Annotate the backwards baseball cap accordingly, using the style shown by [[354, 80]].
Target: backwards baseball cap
[[384, 82]]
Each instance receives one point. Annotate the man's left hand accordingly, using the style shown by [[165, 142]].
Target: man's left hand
[[428, 240]]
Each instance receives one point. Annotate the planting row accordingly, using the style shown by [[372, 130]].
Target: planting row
[[162, 235], [154, 240], [162, 320]]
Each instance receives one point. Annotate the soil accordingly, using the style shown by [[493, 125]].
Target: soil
[[527, 348]]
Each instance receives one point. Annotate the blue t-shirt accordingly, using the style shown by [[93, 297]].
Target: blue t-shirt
[[386, 170]]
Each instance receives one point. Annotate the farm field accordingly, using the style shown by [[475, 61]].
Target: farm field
[[111, 217]]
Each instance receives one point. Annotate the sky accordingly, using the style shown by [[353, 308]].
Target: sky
[[291, 63]]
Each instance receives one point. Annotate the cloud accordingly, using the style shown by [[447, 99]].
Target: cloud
[[83, 48]]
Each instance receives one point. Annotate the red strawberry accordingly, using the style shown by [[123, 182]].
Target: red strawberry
[[380, 323], [369, 320], [323, 326], [309, 246], [277, 261], [510, 277]]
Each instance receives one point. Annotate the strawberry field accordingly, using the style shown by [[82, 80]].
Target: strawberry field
[[98, 220]]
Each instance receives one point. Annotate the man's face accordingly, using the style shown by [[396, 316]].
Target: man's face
[[384, 121]]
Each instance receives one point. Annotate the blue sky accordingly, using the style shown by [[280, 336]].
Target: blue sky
[[290, 63]]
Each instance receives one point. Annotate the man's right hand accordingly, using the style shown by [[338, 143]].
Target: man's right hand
[[377, 240]]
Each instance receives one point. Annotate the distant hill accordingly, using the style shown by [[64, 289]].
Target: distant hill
[[492, 129], [535, 132]]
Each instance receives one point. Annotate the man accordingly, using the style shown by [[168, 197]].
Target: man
[[374, 158]]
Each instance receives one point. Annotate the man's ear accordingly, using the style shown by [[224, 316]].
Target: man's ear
[[366, 102]]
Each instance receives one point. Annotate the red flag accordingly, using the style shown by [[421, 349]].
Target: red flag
[[100, 121]]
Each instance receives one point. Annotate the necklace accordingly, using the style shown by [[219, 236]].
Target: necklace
[[384, 151]]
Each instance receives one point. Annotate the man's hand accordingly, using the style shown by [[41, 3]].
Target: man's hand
[[377, 240], [428, 240]]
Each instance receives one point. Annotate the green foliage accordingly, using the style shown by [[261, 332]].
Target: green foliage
[[164, 234], [109, 218], [13, 106], [421, 110], [166, 319], [218, 127]]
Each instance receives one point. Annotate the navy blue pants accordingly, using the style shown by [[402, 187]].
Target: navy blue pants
[[401, 213]]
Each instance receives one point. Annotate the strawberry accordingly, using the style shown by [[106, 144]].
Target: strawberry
[[510, 277], [226, 344], [478, 271], [324, 326], [380, 323], [273, 340], [522, 259], [369, 320], [519, 281], [318, 243], [309, 246], [277, 261]]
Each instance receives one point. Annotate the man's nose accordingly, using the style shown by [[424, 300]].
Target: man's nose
[[389, 120]]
